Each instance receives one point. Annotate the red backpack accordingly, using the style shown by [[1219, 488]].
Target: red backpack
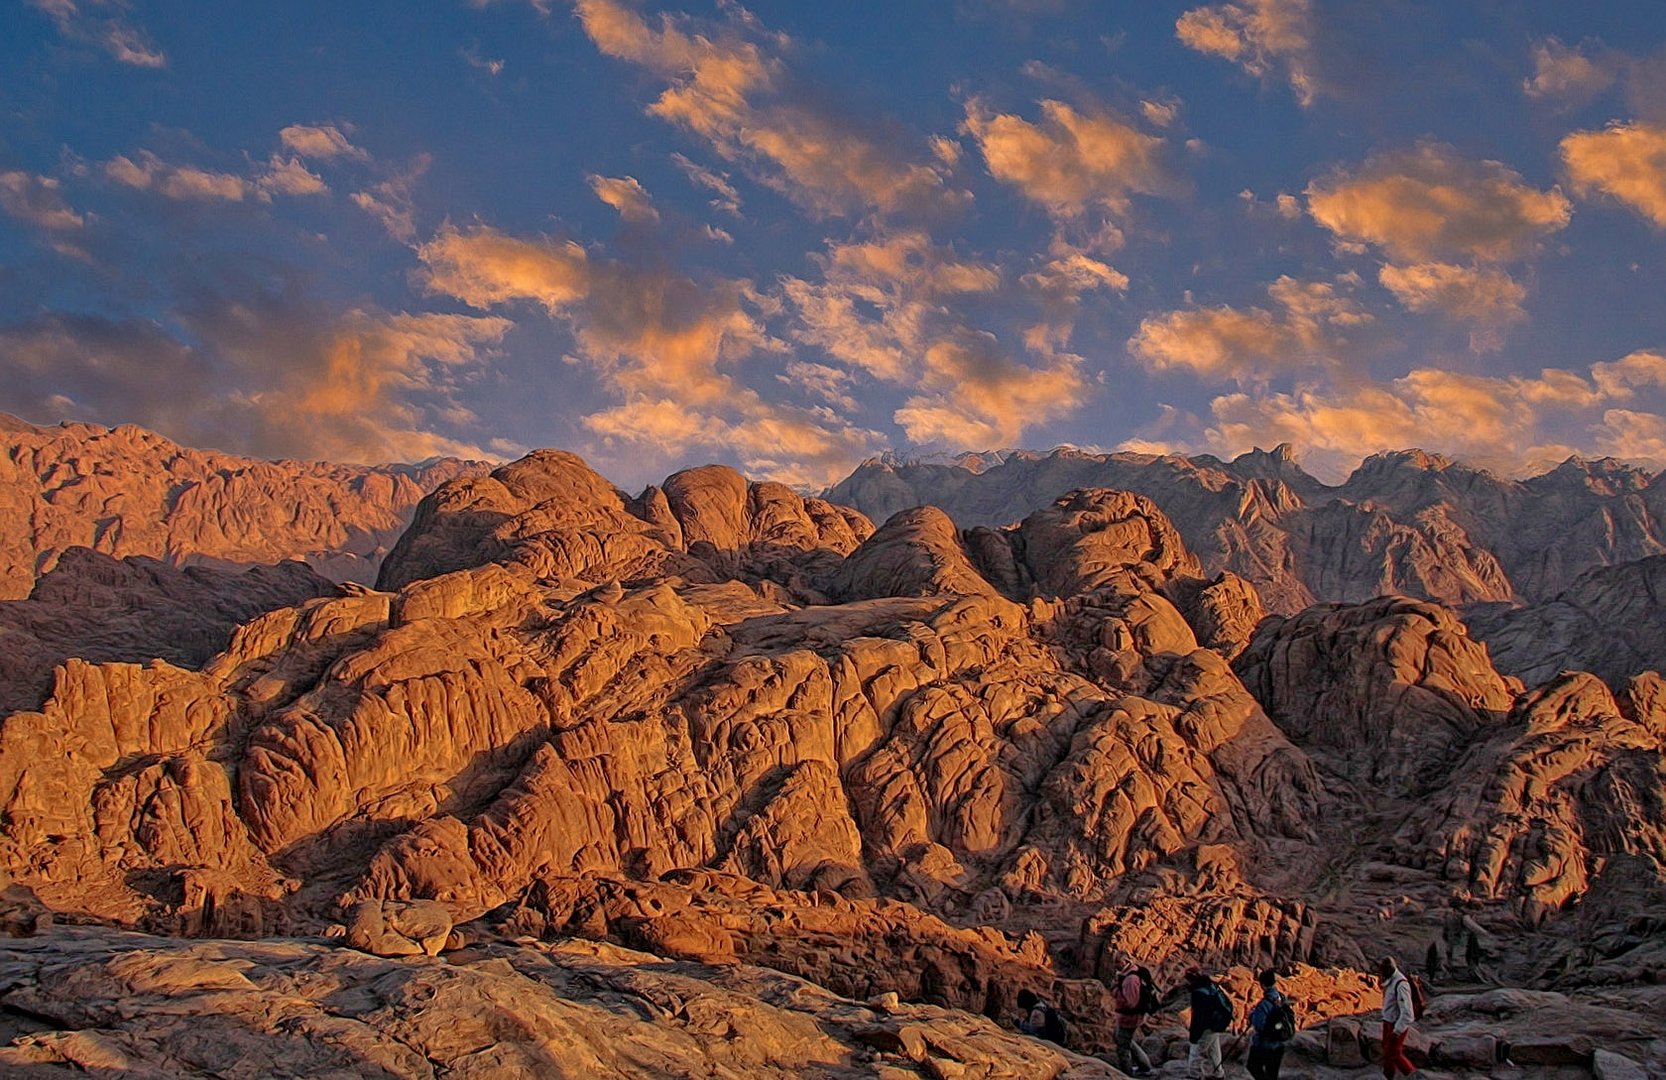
[[1419, 997]]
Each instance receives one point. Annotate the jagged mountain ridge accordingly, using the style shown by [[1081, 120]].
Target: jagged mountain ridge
[[567, 701], [1404, 522], [128, 491]]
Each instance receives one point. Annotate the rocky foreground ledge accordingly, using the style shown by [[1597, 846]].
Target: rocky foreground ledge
[[86, 1001]]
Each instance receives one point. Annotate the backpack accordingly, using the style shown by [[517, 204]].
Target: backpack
[[1221, 1013], [1280, 1024], [1149, 1002], [1419, 997], [1052, 1024]]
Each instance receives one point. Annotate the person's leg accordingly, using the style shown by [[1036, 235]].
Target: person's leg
[[1275, 1061], [1194, 1060], [1256, 1063], [1395, 1060], [1212, 1053], [1141, 1058], [1125, 1048]]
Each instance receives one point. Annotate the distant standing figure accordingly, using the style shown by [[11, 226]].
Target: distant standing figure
[[1272, 1024], [1040, 1018], [1211, 1018], [1133, 997], [1472, 955], [1397, 1018]]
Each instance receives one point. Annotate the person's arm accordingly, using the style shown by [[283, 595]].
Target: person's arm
[[1403, 1009]]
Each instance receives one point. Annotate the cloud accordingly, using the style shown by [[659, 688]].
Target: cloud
[[1516, 424], [727, 200], [984, 397], [808, 448], [473, 57], [483, 267], [188, 183], [1264, 37], [1459, 292], [1306, 329], [903, 310], [392, 201], [77, 21], [646, 329], [265, 376], [729, 89], [1567, 74], [1070, 162], [1072, 273], [627, 196], [1626, 162], [665, 345], [1428, 203], [37, 201], [323, 142], [287, 176]]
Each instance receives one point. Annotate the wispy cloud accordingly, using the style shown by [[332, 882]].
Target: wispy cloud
[[726, 84], [626, 195], [1266, 38], [278, 176], [320, 141], [727, 199], [38, 201], [392, 201], [100, 23]]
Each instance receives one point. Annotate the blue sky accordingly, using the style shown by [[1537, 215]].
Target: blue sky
[[788, 236]]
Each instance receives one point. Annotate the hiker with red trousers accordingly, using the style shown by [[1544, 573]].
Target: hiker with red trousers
[[1398, 1013]]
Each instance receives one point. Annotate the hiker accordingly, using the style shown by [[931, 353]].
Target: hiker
[[1272, 1024], [1397, 1017], [1211, 1018], [1135, 997], [1040, 1018]]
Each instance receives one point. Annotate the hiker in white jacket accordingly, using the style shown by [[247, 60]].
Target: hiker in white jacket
[[1397, 1018]]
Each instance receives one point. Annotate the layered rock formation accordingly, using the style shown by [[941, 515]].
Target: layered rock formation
[[94, 607], [86, 1002], [127, 491], [726, 723], [1611, 622], [1406, 522]]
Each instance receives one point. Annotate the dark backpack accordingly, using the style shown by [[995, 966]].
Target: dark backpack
[[1280, 1025], [1149, 1002], [1052, 1024], [1220, 1013]]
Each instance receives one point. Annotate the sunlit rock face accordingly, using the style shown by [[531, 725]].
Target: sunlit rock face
[[1405, 522], [725, 722], [127, 491]]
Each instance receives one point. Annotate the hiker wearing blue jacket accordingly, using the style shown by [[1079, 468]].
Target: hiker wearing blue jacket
[[1272, 1024]]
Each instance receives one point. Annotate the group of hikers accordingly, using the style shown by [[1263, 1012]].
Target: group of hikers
[[1271, 1024]]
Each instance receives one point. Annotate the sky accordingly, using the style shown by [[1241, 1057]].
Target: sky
[[787, 236]]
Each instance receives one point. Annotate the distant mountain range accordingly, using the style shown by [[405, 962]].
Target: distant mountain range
[[128, 491], [1405, 521]]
